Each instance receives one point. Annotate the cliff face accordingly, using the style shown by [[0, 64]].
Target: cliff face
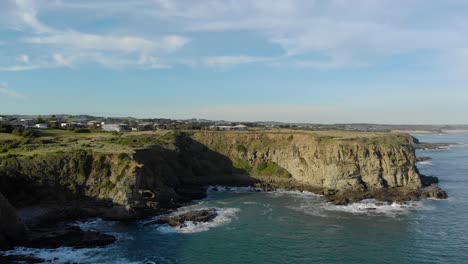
[[168, 174], [349, 164], [12, 230], [65, 176]]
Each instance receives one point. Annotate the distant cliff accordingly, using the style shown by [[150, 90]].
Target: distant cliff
[[172, 172]]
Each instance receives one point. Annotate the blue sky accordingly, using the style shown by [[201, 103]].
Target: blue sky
[[316, 61]]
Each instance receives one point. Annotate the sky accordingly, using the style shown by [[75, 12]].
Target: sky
[[316, 61]]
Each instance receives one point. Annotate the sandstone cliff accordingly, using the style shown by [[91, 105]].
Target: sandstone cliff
[[173, 172], [325, 162]]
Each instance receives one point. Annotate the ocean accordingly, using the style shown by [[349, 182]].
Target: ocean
[[295, 227]]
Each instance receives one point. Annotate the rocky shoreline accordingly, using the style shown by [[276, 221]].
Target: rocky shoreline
[[55, 190]]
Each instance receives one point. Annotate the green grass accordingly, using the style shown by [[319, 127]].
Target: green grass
[[8, 136], [269, 168]]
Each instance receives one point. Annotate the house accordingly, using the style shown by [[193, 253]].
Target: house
[[115, 127], [71, 125], [94, 123], [239, 127], [27, 122], [41, 126]]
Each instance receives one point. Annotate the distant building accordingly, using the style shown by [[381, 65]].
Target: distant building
[[227, 128], [27, 122], [94, 123], [71, 125], [240, 127], [41, 126], [115, 127]]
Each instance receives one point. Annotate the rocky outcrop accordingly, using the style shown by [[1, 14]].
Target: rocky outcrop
[[179, 220], [68, 236], [12, 230]]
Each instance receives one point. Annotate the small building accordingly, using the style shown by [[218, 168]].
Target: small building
[[41, 126], [72, 125], [115, 127], [228, 128], [239, 127], [94, 123]]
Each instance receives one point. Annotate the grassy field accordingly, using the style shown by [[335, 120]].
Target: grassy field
[[53, 140]]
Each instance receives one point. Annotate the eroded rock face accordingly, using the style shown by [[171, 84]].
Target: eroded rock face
[[332, 164], [12, 230]]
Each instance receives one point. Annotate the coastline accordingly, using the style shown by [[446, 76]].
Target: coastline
[[263, 160]]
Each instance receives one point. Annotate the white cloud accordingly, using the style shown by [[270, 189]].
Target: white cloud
[[5, 91], [226, 61], [14, 68], [60, 60], [82, 41], [23, 58], [74, 46], [343, 34], [26, 17]]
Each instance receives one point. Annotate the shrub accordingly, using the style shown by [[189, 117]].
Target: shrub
[[262, 166], [82, 130], [6, 128], [29, 134], [241, 148]]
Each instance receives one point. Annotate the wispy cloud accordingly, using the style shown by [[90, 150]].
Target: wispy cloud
[[5, 91], [226, 61], [342, 34], [79, 47]]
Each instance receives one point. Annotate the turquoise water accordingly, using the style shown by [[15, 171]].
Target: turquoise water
[[293, 227]]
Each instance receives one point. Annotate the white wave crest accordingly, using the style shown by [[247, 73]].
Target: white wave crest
[[58, 255], [425, 163], [374, 207]]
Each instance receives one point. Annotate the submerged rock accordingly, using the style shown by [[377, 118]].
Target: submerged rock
[[69, 237], [421, 159], [194, 216]]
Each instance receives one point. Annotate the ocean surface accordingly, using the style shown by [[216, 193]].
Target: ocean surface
[[294, 227]]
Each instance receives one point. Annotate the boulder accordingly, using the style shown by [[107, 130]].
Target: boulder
[[433, 192], [194, 216]]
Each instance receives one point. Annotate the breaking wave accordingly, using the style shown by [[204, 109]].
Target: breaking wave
[[369, 207]]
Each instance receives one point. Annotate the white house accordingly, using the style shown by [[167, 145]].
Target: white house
[[41, 126], [239, 127], [115, 127]]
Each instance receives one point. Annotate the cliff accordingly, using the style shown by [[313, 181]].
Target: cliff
[[12, 230], [325, 162], [169, 172]]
